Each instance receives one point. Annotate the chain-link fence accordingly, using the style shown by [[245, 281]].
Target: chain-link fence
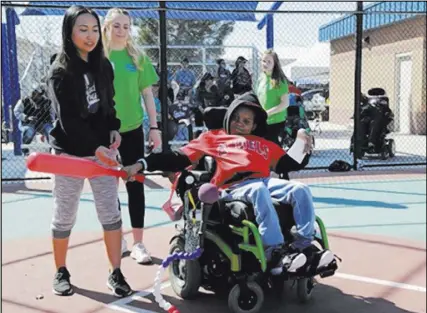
[[316, 44]]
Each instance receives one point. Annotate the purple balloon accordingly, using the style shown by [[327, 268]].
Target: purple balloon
[[208, 193]]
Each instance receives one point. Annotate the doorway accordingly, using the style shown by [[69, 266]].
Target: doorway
[[403, 96]]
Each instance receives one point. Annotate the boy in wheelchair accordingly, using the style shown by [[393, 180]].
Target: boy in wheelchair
[[243, 163]]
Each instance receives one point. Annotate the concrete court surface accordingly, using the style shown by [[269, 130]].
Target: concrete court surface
[[376, 224]]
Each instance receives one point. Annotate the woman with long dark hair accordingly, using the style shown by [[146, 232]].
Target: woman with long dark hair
[[80, 85]]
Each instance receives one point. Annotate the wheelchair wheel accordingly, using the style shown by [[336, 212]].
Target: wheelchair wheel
[[305, 289], [249, 303], [185, 275]]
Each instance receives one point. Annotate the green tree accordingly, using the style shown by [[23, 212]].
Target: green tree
[[185, 32]]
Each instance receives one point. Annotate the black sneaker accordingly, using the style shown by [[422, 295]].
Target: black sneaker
[[318, 258], [61, 283], [118, 285], [285, 259]]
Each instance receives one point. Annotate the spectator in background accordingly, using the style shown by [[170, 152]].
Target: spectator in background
[[223, 75], [272, 91], [207, 95], [34, 115], [240, 77], [185, 78], [223, 82]]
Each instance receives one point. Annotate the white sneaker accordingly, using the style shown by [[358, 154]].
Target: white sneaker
[[124, 246], [326, 258], [290, 262], [294, 261], [140, 254]]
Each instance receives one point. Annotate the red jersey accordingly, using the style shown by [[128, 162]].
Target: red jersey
[[247, 156]]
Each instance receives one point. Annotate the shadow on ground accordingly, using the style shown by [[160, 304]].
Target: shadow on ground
[[326, 299]]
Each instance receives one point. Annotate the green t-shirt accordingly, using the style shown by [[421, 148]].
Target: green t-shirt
[[270, 97], [129, 82]]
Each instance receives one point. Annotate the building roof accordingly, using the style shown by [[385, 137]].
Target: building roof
[[346, 25], [146, 9]]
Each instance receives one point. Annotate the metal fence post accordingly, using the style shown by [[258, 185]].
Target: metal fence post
[[163, 92], [5, 79], [12, 21], [357, 83]]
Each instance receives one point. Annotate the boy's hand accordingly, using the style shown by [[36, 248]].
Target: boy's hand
[[132, 170], [303, 135]]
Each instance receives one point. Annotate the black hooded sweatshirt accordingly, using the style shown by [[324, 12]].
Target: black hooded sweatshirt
[[84, 106], [178, 161]]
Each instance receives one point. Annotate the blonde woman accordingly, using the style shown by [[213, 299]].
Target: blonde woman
[[272, 91], [134, 75]]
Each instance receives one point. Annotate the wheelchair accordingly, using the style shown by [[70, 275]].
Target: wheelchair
[[376, 119], [233, 263]]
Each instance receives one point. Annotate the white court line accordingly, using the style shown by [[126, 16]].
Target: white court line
[[122, 304], [380, 282]]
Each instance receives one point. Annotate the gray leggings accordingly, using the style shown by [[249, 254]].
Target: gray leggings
[[66, 197]]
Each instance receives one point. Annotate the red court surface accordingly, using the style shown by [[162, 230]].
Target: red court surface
[[379, 274]]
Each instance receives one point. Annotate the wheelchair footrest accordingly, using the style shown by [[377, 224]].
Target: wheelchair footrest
[[323, 272], [328, 270], [327, 273]]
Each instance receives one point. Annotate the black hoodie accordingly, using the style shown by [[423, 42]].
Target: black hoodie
[[84, 108], [251, 101]]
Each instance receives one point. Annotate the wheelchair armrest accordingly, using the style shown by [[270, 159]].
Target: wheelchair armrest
[[202, 176]]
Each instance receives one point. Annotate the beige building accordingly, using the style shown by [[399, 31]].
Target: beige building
[[393, 58]]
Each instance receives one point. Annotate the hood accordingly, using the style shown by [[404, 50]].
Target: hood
[[239, 60], [250, 100]]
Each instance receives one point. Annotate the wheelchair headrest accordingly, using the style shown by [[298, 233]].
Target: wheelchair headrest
[[214, 117], [376, 92]]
